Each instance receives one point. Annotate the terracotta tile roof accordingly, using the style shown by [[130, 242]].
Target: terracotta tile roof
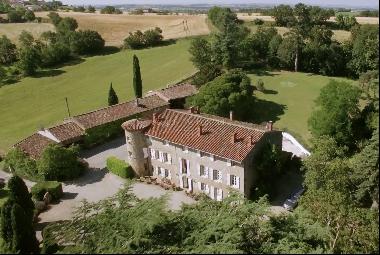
[[183, 128], [66, 132], [34, 145], [177, 91], [136, 124], [117, 112]]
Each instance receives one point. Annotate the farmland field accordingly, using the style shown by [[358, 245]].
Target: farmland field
[[246, 17], [34, 102], [339, 35], [289, 99], [114, 28]]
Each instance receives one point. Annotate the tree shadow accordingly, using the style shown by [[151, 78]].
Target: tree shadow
[[107, 50], [266, 91], [71, 62], [39, 226], [90, 176], [48, 73], [168, 42], [262, 72], [264, 111]]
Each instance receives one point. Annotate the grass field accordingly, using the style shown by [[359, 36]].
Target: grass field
[[289, 99], [35, 102], [13, 30]]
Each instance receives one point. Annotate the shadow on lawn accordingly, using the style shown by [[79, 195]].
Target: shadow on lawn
[[48, 73], [261, 72], [266, 110]]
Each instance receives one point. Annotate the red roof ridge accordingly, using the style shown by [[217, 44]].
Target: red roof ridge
[[111, 106], [237, 123]]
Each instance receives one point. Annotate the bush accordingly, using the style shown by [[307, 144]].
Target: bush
[[21, 164], [58, 163], [260, 85], [138, 39], [119, 167], [258, 21], [53, 187]]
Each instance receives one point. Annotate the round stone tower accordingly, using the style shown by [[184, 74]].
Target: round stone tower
[[137, 148]]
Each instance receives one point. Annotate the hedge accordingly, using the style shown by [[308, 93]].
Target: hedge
[[119, 167], [53, 187]]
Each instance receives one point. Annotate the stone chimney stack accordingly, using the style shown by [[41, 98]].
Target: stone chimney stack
[[234, 138], [200, 130], [251, 142], [269, 125], [232, 115], [155, 117]]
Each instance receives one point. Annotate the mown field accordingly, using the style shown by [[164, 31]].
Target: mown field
[[34, 102], [289, 99]]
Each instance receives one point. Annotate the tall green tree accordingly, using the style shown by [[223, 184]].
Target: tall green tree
[[137, 82], [112, 97], [17, 219], [20, 194], [337, 108], [231, 91]]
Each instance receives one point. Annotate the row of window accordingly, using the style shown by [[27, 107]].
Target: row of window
[[163, 172], [161, 156], [216, 175]]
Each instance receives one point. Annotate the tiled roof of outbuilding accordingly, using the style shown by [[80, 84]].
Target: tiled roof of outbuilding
[[34, 145], [66, 132], [117, 112], [177, 91]]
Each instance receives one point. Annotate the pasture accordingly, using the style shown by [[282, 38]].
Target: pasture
[[289, 99], [40, 101]]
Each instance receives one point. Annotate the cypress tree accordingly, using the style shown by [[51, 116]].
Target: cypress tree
[[20, 194], [112, 97], [137, 82]]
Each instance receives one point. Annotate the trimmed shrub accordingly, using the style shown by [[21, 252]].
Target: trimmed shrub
[[53, 187], [260, 85], [119, 167]]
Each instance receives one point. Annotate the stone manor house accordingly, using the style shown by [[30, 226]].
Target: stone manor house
[[195, 151]]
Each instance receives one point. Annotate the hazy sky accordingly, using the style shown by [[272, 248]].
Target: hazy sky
[[371, 3]]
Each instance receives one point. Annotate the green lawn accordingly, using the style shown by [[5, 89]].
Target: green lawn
[[289, 99], [35, 102]]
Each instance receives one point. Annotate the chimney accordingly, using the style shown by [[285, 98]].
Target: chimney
[[270, 125], [155, 117], [234, 138], [200, 130], [251, 142], [231, 115], [197, 110]]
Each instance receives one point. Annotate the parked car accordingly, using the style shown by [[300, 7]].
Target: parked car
[[292, 202]]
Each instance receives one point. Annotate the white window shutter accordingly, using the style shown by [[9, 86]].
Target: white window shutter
[[188, 166], [199, 186], [229, 163], [189, 184], [156, 170], [169, 158], [170, 175], [211, 173], [212, 192], [180, 165], [238, 182], [199, 153], [199, 169], [207, 189], [206, 172], [161, 155], [228, 179]]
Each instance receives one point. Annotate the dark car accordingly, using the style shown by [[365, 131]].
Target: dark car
[[292, 202]]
